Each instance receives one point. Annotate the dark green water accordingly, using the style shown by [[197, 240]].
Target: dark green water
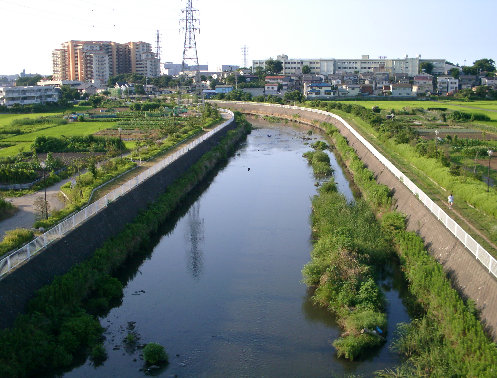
[[221, 289]]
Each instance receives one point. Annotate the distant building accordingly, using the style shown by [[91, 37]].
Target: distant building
[[223, 88], [468, 81], [423, 83], [60, 83], [447, 84], [228, 68], [174, 69], [409, 66], [490, 81], [318, 91], [97, 61], [10, 96], [401, 90]]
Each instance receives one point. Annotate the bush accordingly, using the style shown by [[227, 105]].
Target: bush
[[154, 354], [15, 239]]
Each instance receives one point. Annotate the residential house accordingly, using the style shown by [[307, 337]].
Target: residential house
[[318, 90], [223, 88], [447, 84], [423, 83], [468, 81], [401, 90], [490, 81]]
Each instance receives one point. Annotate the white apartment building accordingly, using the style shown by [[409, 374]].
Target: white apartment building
[[10, 96], [332, 66], [447, 84]]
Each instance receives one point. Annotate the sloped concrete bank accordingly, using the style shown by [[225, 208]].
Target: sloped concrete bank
[[18, 287], [466, 273]]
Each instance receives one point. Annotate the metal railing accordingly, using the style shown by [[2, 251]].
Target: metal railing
[[21, 255], [471, 244]]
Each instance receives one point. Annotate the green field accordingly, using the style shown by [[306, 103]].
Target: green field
[[461, 106]]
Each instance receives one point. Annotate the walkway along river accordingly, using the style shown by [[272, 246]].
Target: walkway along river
[[221, 289]]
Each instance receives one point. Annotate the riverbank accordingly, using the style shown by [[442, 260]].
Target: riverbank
[[452, 333], [61, 320]]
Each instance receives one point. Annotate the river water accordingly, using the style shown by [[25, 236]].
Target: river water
[[221, 288]]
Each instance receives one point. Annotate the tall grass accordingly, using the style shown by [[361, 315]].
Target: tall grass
[[348, 249]]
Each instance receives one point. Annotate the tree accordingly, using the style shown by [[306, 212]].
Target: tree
[[306, 69], [67, 94], [273, 66], [293, 96], [139, 89], [454, 72], [487, 65], [469, 70], [42, 208], [28, 80], [426, 67]]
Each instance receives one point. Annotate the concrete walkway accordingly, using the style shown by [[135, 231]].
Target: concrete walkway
[[26, 212]]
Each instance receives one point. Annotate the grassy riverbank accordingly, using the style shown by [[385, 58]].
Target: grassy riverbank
[[61, 321], [445, 338]]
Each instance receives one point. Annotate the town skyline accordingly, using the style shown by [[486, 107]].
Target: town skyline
[[318, 30]]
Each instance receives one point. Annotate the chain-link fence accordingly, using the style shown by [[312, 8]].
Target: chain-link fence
[[14, 258]]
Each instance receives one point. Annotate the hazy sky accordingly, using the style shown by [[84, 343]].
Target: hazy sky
[[457, 30]]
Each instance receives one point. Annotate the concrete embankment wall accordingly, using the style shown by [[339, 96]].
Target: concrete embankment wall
[[467, 274], [17, 288]]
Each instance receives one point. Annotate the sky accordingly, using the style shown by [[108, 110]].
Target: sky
[[460, 31]]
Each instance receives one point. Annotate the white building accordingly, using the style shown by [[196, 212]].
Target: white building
[[401, 90], [490, 81], [447, 84], [10, 96], [405, 65], [318, 90]]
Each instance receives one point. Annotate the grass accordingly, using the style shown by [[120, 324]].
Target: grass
[[452, 105], [429, 180]]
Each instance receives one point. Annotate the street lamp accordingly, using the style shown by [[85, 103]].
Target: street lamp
[[490, 152], [43, 165], [120, 142]]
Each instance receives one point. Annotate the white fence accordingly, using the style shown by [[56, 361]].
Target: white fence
[[13, 259], [474, 247]]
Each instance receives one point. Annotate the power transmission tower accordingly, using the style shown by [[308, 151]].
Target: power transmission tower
[[245, 53], [191, 27], [158, 48]]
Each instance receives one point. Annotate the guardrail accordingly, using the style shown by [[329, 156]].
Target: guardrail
[[480, 253], [21, 255]]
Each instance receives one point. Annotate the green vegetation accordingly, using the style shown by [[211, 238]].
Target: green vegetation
[[61, 320], [448, 339], [320, 162], [77, 144], [348, 251], [79, 194], [154, 354], [15, 239], [428, 164]]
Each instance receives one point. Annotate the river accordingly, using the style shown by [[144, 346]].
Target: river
[[221, 288]]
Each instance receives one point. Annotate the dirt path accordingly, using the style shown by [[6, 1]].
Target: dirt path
[[467, 274], [26, 212]]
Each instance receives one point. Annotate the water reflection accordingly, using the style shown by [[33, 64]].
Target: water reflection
[[194, 238]]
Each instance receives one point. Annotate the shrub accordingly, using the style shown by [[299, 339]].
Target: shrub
[[154, 354], [15, 239]]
